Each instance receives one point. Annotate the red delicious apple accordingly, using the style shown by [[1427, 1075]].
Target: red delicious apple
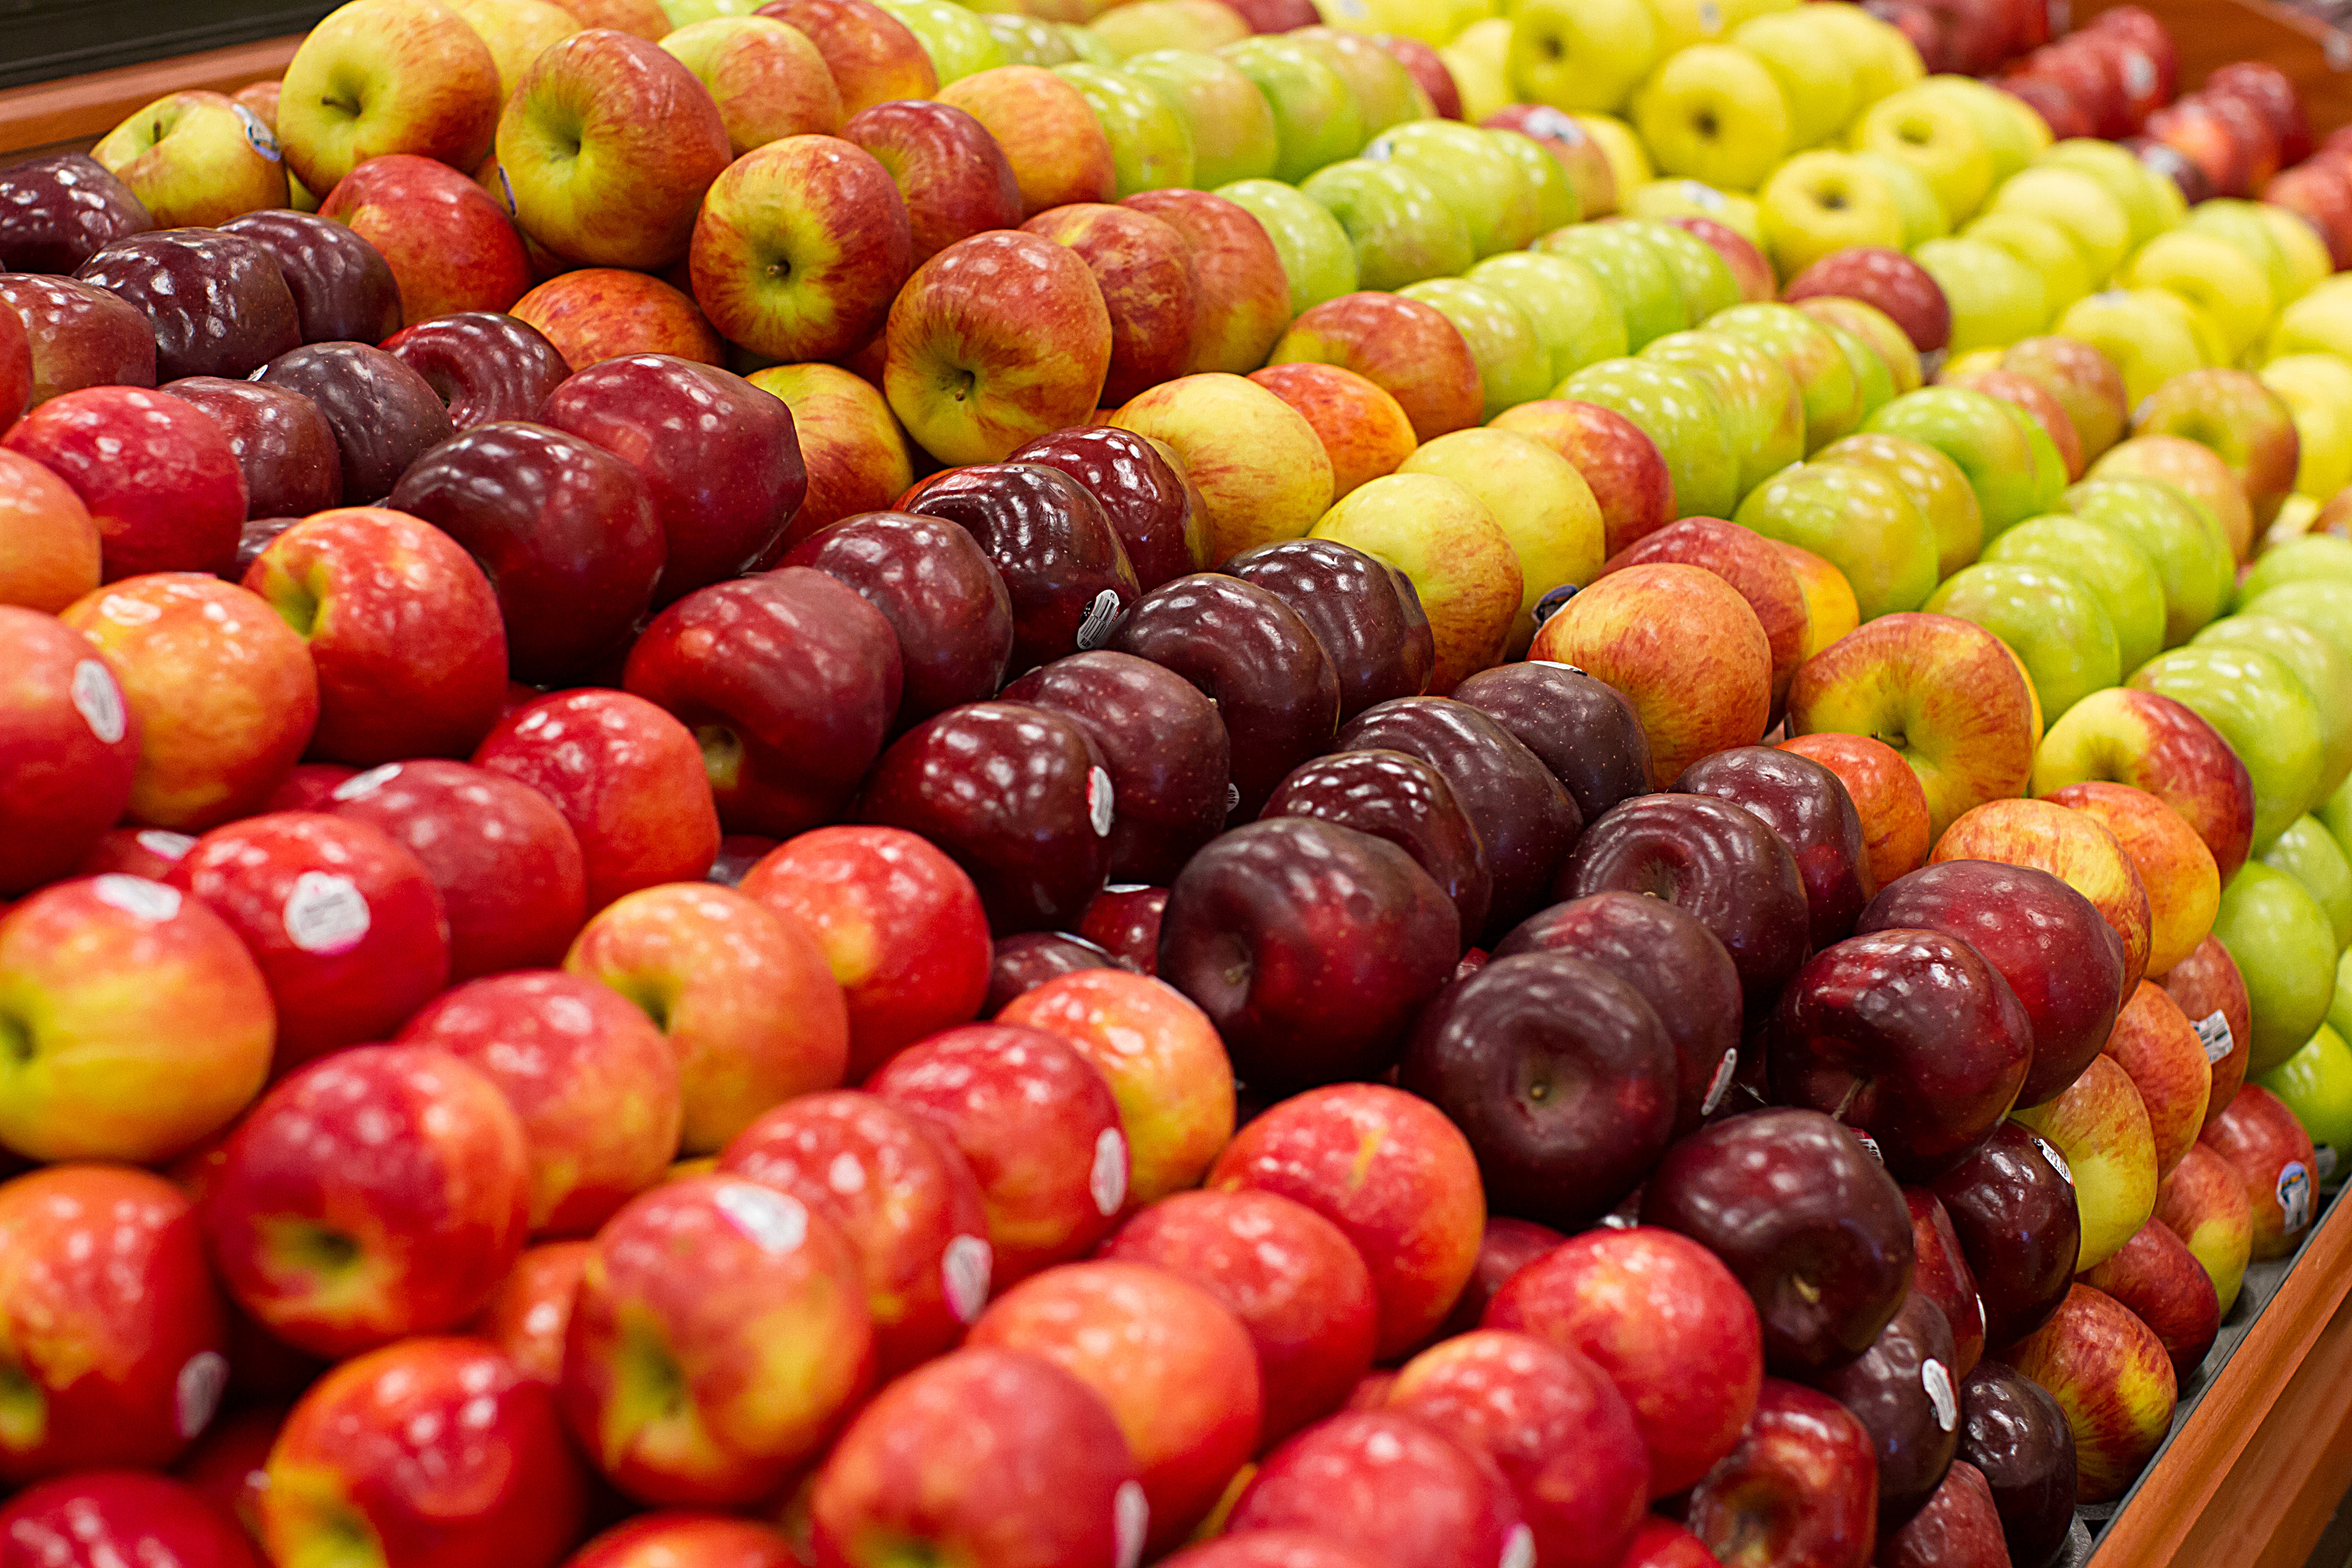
[[1124, 921], [2011, 1204], [688, 1296], [2014, 1433], [906, 1200], [379, 1193], [1020, 963], [950, 173], [995, 1458], [283, 445], [627, 778], [1808, 806], [112, 1325], [99, 1518], [1905, 1395], [485, 366], [435, 1452], [69, 751], [1156, 511], [343, 289], [1940, 1272], [79, 335], [1392, 1487], [1584, 731], [1959, 1528], [1393, 1173], [942, 595], [449, 242], [384, 414], [62, 207], [1362, 612], [157, 473], [216, 301], [1801, 1488], [1397, 796]]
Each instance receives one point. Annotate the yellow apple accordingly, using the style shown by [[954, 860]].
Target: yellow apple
[[1541, 503]]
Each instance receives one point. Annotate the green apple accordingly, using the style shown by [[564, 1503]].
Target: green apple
[[1824, 374], [2138, 190], [1163, 25], [1935, 135], [1700, 270], [1988, 440], [1580, 54], [1385, 93], [2241, 224], [1574, 318], [1557, 201], [1232, 124], [1934, 483], [1470, 174], [2261, 708], [1027, 41], [2286, 950], [2299, 560], [2304, 253], [2339, 1007], [1856, 517], [1150, 145], [1871, 372], [2317, 1085], [2212, 274], [2325, 673], [1479, 61], [1513, 365], [1824, 201], [1678, 411], [2335, 816], [1401, 229], [2180, 538], [1764, 414], [2309, 853], [2317, 391], [1637, 274], [2106, 562], [2148, 345], [2043, 247], [1315, 117], [958, 41], [1714, 113], [2320, 605], [1697, 198], [2203, 330], [1816, 72], [2008, 140], [1877, 332], [1995, 298], [1923, 218], [1318, 256], [687, 13], [1085, 46], [2050, 619], [2079, 205]]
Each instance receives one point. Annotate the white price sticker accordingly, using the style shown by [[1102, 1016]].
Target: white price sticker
[[99, 700], [965, 1269], [2213, 1034], [1108, 1180], [2057, 1161], [1098, 624], [325, 914], [137, 896], [1519, 1549], [1720, 1085], [1936, 1379], [2294, 1195], [1101, 801]]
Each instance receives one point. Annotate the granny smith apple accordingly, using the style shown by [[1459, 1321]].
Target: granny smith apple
[[1764, 414], [1858, 520], [1705, 279], [1318, 256], [2261, 707], [1513, 365], [1401, 229], [2309, 853], [1634, 271], [2317, 391], [1574, 317], [1232, 124], [2316, 1084], [2321, 606], [1385, 93], [1697, 198], [2301, 559], [2325, 673], [1317, 119], [1988, 440], [2106, 561], [1470, 174], [1677, 409], [2181, 538], [2286, 950], [1150, 145], [2050, 619], [1934, 483]]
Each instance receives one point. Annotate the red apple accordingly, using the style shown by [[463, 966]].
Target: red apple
[[1801, 1488], [529, 1314], [952, 176], [484, 365], [2111, 1377], [1404, 346], [67, 750], [2160, 1282], [1243, 293], [449, 242], [1392, 1487], [156, 473], [101, 1517], [2272, 1153], [598, 313], [2212, 994]]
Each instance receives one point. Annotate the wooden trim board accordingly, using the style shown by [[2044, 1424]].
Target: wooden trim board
[[80, 109]]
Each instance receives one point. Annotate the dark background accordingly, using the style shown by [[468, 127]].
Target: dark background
[[42, 39]]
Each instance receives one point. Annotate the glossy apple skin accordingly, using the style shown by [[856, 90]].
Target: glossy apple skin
[[1960, 1527], [1067, 573], [1808, 806], [2012, 1430], [79, 335], [1894, 1389], [1909, 1036], [627, 778], [158, 475], [1813, 1226], [566, 531], [1802, 1487], [1677, 966], [2160, 1282], [449, 242], [1162, 744], [1294, 1280], [2205, 983], [1561, 1076], [1389, 1484], [1365, 614], [403, 628], [336, 1247], [1039, 1126], [952, 175], [710, 1279], [788, 680], [1526, 819], [1274, 686], [438, 1449], [284, 446], [2014, 1213], [342, 287], [1940, 1272], [942, 595], [1020, 963], [99, 1518], [1337, 937], [900, 923], [1405, 800], [1718, 860], [111, 1319], [290, 884], [69, 750], [906, 1201], [484, 365], [2062, 961], [385, 415], [1016, 794], [1585, 732], [989, 1456], [56, 212], [679, 1536], [1157, 513], [2264, 1143], [718, 454], [509, 870], [216, 301]]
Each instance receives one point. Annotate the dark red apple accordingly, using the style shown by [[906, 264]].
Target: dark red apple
[[1808, 806], [1584, 730], [1507, 1246], [1021, 963], [79, 335], [56, 212], [283, 442], [1397, 796], [1124, 922], [2014, 1432], [1157, 511], [342, 287], [940, 592], [1959, 1528], [1940, 1271], [2013, 1207], [1905, 1395], [384, 414], [1370, 623], [484, 367], [1063, 566], [1885, 277], [216, 302]]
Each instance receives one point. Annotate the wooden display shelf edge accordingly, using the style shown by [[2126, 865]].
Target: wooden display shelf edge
[[2254, 1473], [80, 108]]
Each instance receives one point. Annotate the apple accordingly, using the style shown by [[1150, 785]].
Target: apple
[[1390, 1486], [2311, 1084], [1358, 610], [1617, 460], [681, 1536], [2204, 1204], [2050, 618], [516, 30], [688, 1286], [2116, 571], [2242, 420], [1941, 1274], [1047, 132], [1401, 228], [1240, 288], [2174, 866], [2012, 465], [79, 335], [1935, 486], [1537, 499], [125, 1514], [68, 755], [1144, 269], [1318, 118], [769, 81], [1318, 261], [1861, 519], [1886, 796], [2275, 1160], [2076, 849], [2192, 468], [195, 160], [2212, 996], [871, 55], [952, 176], [627, 778], [937, 588], [800, 247], [53, 554], [2263, 710], [1150, 145], [1407, 347], [1715, 114], [282, 442], [1574, 319], [159, 477], [1364, 431], [61, 208], [1635, 270], [1758, 394], [220, 692], [383, 77], [383, 414], [2160, 1282], [2017, 1436], [450, 245], [2012, 1206], [597, 313], [1822, 202], [1232, 126], [2158, 744], [1802, 1482], [2111, 1377]]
